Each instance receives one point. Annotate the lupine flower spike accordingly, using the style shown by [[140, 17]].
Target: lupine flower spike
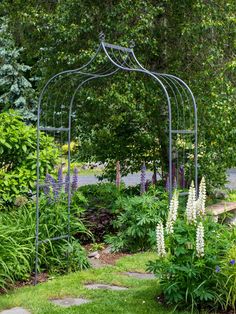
[[75, 179], [167, 183], [201, 202], [60, 178], [172, 215], [118, 176], [200, 240], [67, 183], [191, 205], [143, 179], [160, 240]]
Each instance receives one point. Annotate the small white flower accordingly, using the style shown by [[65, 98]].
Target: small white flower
[[201, 202], [200, 240], [160, 240], [191, 212], [172, 215]]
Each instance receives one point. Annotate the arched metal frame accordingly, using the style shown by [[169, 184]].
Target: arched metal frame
[[119, 59]]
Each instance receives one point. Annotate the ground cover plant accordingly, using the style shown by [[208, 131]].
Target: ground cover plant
[[140, 298], [196, 263], [135, 220]]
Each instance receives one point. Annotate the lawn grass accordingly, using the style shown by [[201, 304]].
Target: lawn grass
[[139, 299]]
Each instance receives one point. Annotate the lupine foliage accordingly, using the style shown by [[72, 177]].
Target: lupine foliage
[[196, 261]]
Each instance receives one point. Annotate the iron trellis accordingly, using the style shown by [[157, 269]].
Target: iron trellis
[[108, 60]]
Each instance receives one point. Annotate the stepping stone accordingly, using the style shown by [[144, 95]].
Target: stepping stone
[[140, 275], [67, 302], [104, 287], [15, 310]]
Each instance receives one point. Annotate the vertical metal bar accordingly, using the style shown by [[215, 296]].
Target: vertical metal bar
[[170, 150], [196, 147], [37, 193], [69, 188]]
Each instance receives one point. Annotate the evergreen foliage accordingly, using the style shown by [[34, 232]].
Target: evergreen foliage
[[16, 90]]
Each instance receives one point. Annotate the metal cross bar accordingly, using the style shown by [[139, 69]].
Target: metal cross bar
[[53, 239], [117, 47]]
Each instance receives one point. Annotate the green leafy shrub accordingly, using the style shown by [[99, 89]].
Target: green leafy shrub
[[136, 219], [193, 264], [18, 144], [17, 239], [99, 216]]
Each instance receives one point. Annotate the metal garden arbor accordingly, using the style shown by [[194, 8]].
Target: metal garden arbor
[[108, 60]]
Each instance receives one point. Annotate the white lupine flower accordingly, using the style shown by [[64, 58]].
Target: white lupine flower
[[201, 202], [172, 215], [191, 205], [200, 240], [161, 251]]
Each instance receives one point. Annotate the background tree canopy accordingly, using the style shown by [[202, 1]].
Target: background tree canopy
[[192, 39]]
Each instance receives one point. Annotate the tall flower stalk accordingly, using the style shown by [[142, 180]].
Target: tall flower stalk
[[173, 211], [191, 212], [201, 202], [143, 178], [60, 179], [200, 240], [161, 251], [75, 179]]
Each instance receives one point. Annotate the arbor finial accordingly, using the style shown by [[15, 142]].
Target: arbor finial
[[101, 36]]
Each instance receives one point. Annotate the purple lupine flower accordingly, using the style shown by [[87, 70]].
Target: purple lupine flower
[[143, 178], [67, 183], [60, 178], [174, 183], [217, 270], [167, 186], [118, 176], [173, 171], [75, 179], [182, 177], [232, 261], [46, 186]]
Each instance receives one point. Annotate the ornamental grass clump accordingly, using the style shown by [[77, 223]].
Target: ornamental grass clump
[[196, 258]]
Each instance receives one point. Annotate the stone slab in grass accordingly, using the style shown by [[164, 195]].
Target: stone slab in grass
[[67, 302], [139, 275], [104, 287], [15, 310]]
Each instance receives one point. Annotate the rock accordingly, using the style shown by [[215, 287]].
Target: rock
[[140, 275], [67, 302], [15, 310], [104, 286], [94, 254]]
